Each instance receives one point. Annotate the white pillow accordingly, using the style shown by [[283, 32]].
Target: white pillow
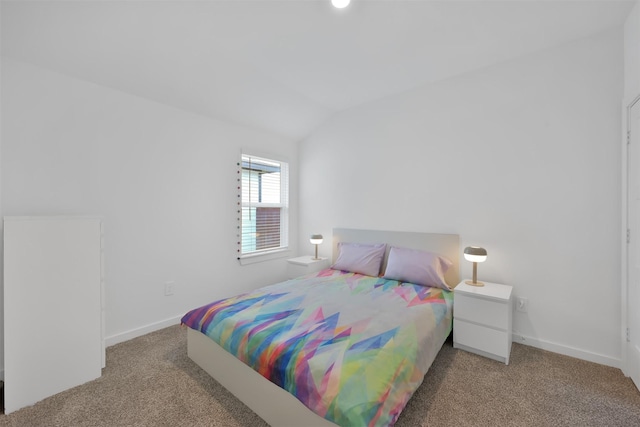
[[360, 258], [415, 266]]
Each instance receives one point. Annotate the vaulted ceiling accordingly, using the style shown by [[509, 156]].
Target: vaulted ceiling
[[286, 66]]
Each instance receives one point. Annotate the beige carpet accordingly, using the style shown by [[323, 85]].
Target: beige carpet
[[149, 381]]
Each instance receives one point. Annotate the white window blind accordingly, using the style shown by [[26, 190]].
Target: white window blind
[[264, 196]]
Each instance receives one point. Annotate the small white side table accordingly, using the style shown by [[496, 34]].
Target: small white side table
[[304, 265], [482, 319]]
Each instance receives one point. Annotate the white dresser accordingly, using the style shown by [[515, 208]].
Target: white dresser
[[53, 313], [482, 319]]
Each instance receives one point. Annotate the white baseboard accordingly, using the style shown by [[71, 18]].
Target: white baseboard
[[134, 333], [567, 351]]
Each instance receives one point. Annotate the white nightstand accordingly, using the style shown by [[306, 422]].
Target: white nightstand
[[482, 320], [304, 265]]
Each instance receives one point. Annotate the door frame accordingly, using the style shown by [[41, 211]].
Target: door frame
[[626, 131]]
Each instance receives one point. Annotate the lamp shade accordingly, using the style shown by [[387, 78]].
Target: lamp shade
[[316, 239], [340, 4], [475, 254]]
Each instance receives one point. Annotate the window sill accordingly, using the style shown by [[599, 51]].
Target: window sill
[[266, 256]]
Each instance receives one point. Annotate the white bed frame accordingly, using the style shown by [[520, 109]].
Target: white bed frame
[[273, 404]]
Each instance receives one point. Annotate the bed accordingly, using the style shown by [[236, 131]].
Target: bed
[[324, 339]]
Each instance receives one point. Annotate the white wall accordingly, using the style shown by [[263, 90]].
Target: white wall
[[1, 246], [631, 92], [163, 179], [522, 158], [632, 54]]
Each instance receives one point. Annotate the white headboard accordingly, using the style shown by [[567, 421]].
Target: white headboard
[[447, 245]]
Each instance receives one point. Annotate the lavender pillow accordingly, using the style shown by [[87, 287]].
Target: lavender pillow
[[415, 266], [360, 258]]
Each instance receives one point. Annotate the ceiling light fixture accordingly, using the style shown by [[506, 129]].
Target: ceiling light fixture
[[340, 4]]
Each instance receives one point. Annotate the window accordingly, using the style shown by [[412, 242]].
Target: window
[[265, 201]]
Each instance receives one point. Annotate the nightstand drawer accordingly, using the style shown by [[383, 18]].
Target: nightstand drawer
[[479, 310], [481, 338]]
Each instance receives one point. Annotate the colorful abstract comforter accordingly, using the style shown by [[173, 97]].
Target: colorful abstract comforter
[[350, 347]]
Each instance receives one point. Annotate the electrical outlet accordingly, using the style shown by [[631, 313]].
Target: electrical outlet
[[169, 288], [522, 305]]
